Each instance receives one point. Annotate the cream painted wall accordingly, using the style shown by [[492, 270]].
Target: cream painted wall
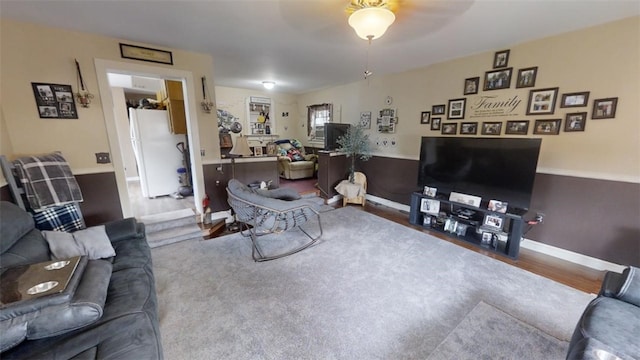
[[604, 60], [234, 100], [33, 53]]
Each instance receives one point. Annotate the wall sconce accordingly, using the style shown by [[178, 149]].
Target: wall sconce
[[84, 96], [207, 105]]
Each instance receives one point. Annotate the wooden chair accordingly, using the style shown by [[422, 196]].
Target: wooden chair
[[360, 179]]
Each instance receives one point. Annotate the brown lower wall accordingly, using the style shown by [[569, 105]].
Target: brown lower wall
[[100, 192], [596, 218]]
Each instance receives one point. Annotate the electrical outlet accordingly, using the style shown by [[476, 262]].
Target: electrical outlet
[[102, 158]]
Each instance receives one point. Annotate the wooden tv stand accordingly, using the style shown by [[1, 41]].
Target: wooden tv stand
[[452, 217]]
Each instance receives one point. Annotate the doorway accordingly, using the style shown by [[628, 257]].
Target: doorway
[[152, 154], [104, 67]]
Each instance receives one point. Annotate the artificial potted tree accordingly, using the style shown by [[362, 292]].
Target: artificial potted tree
[[355, 144]]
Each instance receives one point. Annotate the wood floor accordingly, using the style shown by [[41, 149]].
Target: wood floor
[[576, 276]]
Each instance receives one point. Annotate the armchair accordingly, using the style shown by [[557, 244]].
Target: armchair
[[293, 162], [264, 212]]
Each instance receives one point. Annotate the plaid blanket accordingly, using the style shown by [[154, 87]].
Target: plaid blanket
[[47, 181]]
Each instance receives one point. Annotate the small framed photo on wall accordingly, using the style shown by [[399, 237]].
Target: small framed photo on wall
[[438, 109], [435, 123], [517, 127], [449, 129], [501, 59], [456, 108], [542, 101], [425, 117], [604, 108], [491, 128], [469, 128], [527, 77], [547, 127], [497, 79], [575, 121], [576, 99], [471, 85]]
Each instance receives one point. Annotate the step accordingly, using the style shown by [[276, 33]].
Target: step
[[167, 220], [173, 235]]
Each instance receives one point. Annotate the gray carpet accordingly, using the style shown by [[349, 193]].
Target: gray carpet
[[488, 333], [371, 289]]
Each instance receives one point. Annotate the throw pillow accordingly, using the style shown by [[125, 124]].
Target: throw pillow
[[294, 155], [92, 242]]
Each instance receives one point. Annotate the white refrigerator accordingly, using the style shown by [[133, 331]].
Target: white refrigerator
[[154, 147]]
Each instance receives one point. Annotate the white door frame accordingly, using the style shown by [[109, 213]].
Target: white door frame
[[108, 66]]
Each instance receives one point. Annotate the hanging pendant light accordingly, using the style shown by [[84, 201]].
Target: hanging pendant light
[[371, 22]]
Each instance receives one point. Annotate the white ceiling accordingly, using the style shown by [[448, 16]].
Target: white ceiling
[[305, 45]]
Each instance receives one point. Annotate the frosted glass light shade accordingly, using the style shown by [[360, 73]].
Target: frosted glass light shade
[[371, 21], [268, 84], [241, 147]]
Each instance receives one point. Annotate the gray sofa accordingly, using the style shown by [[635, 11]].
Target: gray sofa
[[107, 311], [610, 324]]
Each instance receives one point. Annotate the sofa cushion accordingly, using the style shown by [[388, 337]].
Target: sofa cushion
[[611, 322], [21, 223], [630, 289], [80, 304], [32, 248], [92, 242]]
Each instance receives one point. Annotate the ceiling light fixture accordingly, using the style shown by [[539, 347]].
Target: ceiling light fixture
[[371, 19], [268, 84]]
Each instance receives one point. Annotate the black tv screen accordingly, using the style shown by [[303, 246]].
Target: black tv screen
[[501, 169], [332, 131]]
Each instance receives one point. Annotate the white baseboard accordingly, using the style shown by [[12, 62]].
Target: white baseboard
[[389, 203], [570, 256], [556, 252]]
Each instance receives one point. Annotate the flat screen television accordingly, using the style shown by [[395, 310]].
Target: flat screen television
[[332, 131], [501, 169]]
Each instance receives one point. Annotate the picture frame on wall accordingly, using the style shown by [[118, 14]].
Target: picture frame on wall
[[449, 129], [425, 117], [501, 59], [456, 108], [491, 128], [471, 85], [517, 127], [54, 101], [435, 123], [542, 101], [604, 108], [469, 128], [575, 121], [438, 109], [527, 77], [497, 79], [547, 127], [576, 99], [365, 119]]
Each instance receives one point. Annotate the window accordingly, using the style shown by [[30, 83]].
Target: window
[[317, 116]]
